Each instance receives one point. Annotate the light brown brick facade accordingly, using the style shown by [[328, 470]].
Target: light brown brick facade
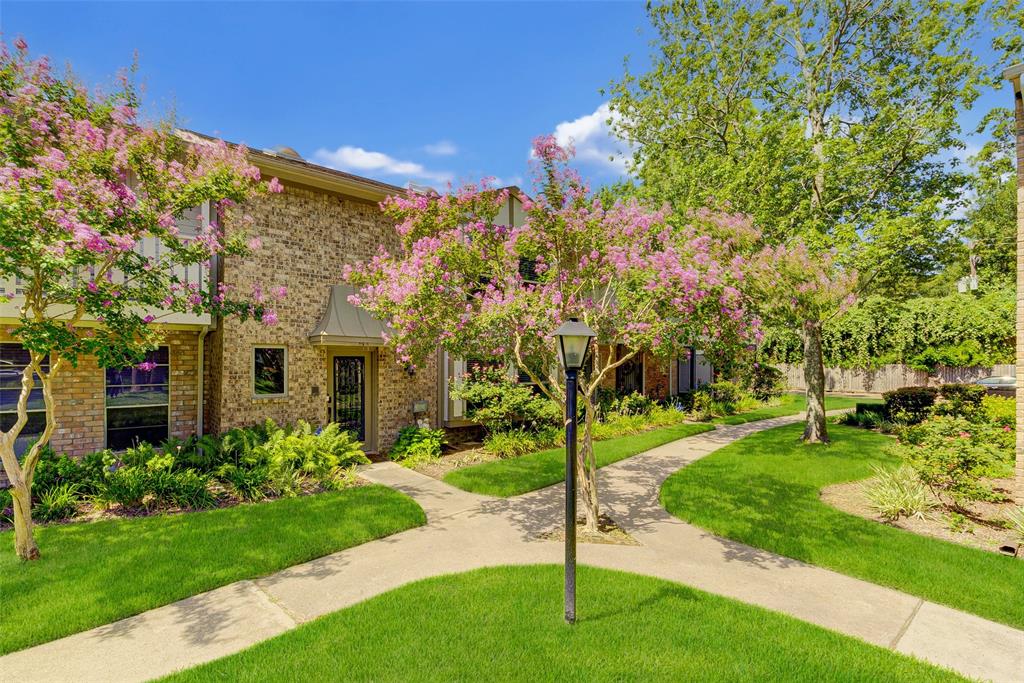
[[307, 237], [80, 397]]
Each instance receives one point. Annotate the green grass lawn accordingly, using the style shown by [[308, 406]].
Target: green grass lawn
[[513, 476], [505, 624], [763, 491], [792, 404], [93, 574]]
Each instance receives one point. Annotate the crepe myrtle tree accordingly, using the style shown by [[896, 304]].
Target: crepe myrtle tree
[[82, 181], [793, 287], [480, 288]]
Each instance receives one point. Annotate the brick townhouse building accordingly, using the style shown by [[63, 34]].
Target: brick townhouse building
[[324, 361]]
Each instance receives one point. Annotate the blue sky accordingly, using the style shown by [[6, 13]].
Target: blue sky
[[418, 91], [427, 92]]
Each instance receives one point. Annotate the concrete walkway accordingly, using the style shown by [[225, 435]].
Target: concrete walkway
[[466, 531]]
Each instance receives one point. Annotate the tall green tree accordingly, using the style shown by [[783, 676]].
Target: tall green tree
[[824, 120]]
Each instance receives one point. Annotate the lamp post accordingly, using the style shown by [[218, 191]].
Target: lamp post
[[573, 341]]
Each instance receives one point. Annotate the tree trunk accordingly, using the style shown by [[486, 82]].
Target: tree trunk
[[24, 540], [816, 430], [586, 467]]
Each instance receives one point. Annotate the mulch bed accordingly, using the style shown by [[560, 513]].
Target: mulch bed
[[608, 533], [983, 530]]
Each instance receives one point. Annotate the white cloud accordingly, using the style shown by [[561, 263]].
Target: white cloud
[[359, 160], [593, 139], [516, 180], [442, 148]]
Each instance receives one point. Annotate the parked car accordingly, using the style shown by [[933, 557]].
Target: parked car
[[1000, 385]]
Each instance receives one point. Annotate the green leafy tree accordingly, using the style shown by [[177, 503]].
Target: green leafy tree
[[824, 121]]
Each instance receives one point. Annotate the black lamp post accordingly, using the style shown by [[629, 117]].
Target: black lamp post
[[573, 341]]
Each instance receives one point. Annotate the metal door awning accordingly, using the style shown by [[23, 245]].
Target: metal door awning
[[345, 324]]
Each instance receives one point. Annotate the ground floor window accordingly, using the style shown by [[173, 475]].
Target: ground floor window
[[138, 401], [269, 371], [13, 361]]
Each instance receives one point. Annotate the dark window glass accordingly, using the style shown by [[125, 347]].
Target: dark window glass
[[138, 402], [269, 371], [528, 269], [13, 361]]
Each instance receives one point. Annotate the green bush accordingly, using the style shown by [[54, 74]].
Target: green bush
[[416, 444], [499, 402], [896, 493], [57, 503], [909, 405], [765, 382], [248, 483], [182, 488], [703, 406], [723, 392], [952, 457], [868, 419], [1000, 411], [960, 400], [633, 404], [294, 455], [55, 470], [127, 486]]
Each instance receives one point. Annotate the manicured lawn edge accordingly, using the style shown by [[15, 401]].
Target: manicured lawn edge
[[763, 490], [629, 628], [514, 476], [96, 573]]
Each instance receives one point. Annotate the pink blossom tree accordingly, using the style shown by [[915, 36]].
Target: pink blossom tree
[[82, 182], [792, 287], [459, 281]]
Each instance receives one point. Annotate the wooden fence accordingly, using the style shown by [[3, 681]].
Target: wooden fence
[[888, 377]]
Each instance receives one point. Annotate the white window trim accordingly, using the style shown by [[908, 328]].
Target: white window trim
[[252, 371]]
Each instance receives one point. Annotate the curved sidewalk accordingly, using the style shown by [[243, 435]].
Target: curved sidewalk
[[466, 531]]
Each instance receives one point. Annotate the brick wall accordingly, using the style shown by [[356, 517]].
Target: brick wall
[[79, 393], [307, 237]]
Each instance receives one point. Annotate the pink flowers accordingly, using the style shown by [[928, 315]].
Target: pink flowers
[[275, 186], [255, 244], [269, 318], [146, 366]]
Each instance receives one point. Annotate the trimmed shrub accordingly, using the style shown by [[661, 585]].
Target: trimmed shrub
[[499, 402], [909, 405], [960, 400], [765, 382], [896, 493], [723, 392]]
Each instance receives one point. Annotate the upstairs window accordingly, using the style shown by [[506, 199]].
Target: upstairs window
[[13, 361], [138, 402]]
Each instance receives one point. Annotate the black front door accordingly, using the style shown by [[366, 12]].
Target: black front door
[[629, 377], [350, 394]]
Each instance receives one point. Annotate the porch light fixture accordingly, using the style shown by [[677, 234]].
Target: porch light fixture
[[573, 341]]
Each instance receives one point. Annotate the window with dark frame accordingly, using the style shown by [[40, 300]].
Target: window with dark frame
[[138, 401], [270, 371], [13, 361]]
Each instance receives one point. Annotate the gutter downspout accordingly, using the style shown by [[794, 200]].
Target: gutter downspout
[[200, 388]]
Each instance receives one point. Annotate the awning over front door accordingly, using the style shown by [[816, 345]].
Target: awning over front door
[[345, 324]]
